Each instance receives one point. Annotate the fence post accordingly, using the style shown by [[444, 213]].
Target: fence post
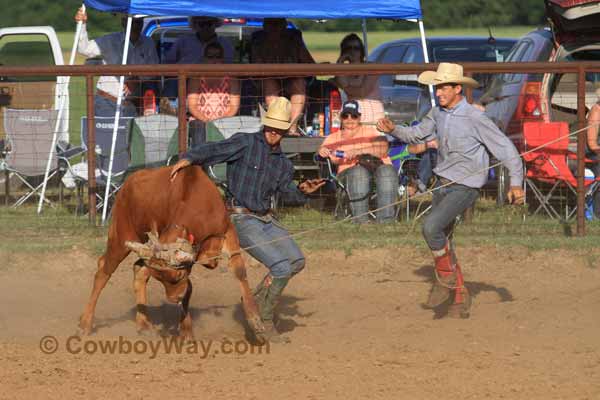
[[468, 92], [91, 151], [581, 140], [181, 110]]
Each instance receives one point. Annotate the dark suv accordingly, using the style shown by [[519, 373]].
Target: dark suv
[[406, 100], [513, 99]]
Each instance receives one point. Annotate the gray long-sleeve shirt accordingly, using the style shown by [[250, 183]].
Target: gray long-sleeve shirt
[[465, 135]]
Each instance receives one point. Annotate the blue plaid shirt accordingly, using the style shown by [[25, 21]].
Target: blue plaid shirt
[[255, 171]]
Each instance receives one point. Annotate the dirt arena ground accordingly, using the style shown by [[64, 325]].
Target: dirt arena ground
[[355, 322]]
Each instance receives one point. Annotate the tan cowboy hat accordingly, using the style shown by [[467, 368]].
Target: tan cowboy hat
[[279, 114], [447, 73]]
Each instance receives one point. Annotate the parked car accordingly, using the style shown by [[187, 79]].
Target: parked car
[[32, 46], [404, 98], [513, 99]]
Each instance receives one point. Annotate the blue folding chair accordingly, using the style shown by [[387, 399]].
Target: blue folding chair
[[104, 132]]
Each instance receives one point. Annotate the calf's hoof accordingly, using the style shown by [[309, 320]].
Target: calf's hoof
[[85, 326], [143, 326], [186, 335]]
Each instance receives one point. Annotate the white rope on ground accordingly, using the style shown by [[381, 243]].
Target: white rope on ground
[[430, 191]]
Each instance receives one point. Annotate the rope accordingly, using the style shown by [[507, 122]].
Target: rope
[[416, 195]]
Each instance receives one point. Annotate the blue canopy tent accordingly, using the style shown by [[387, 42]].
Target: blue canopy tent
[[307, 9]]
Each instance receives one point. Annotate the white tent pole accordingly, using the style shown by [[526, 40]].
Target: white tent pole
[[426, 57], [61, 106], [364, 33], [116, 122]]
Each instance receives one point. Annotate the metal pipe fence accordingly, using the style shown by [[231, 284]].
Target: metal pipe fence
[[244, 72]]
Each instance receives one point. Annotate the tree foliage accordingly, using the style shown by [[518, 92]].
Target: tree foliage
[[437, 14]]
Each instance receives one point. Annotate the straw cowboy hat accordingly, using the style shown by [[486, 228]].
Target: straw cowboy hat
[[447, 73], [279, 114]]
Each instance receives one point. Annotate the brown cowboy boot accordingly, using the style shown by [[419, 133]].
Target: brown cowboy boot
[[445, 277], [460, 307], [268, 298]]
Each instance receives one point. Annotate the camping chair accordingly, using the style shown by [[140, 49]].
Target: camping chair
[[153, 141], [29, 134], [547, 167], [103, 132]]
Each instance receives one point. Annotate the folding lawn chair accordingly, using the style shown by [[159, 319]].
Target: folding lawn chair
[[30, 135], [153, 141], [103, 133], [547, 169]]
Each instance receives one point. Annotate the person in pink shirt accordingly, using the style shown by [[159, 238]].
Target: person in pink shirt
[[361, 156], [211, 98]]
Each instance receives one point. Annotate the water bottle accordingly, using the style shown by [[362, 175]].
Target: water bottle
[[321, 124], [589, 208], [149, 102], [327, 120], [315, 125]]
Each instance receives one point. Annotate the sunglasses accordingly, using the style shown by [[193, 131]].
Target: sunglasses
[[348, 115], [357, 47], [214, 56]]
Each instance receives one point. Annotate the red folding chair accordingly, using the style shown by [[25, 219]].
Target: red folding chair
[[547, 167]]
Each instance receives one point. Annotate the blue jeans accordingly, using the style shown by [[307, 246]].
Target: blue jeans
[[104, 107], [358, 185], [447, 203], [282, 257]]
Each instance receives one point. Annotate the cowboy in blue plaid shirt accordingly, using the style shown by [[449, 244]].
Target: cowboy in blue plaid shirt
[[256, 170]]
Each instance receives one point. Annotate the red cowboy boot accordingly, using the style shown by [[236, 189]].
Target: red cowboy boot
[[445, 277], [460, 307]]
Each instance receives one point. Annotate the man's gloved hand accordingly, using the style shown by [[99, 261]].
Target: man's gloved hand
[[516, 195], [183, 163]]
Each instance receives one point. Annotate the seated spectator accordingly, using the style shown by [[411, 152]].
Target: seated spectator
[[211, 98], [276, 44], [362, 88], [360, 155], [189, 48], [427, 162]]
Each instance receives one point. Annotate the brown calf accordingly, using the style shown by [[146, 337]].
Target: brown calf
[[191, 204]]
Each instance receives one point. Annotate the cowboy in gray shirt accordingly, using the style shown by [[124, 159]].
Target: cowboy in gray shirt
[[464, 136]]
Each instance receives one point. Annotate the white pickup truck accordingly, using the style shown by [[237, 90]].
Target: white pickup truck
[[33, 46]]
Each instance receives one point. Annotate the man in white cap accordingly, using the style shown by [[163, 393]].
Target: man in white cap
[[256, 170], [464, 135]]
